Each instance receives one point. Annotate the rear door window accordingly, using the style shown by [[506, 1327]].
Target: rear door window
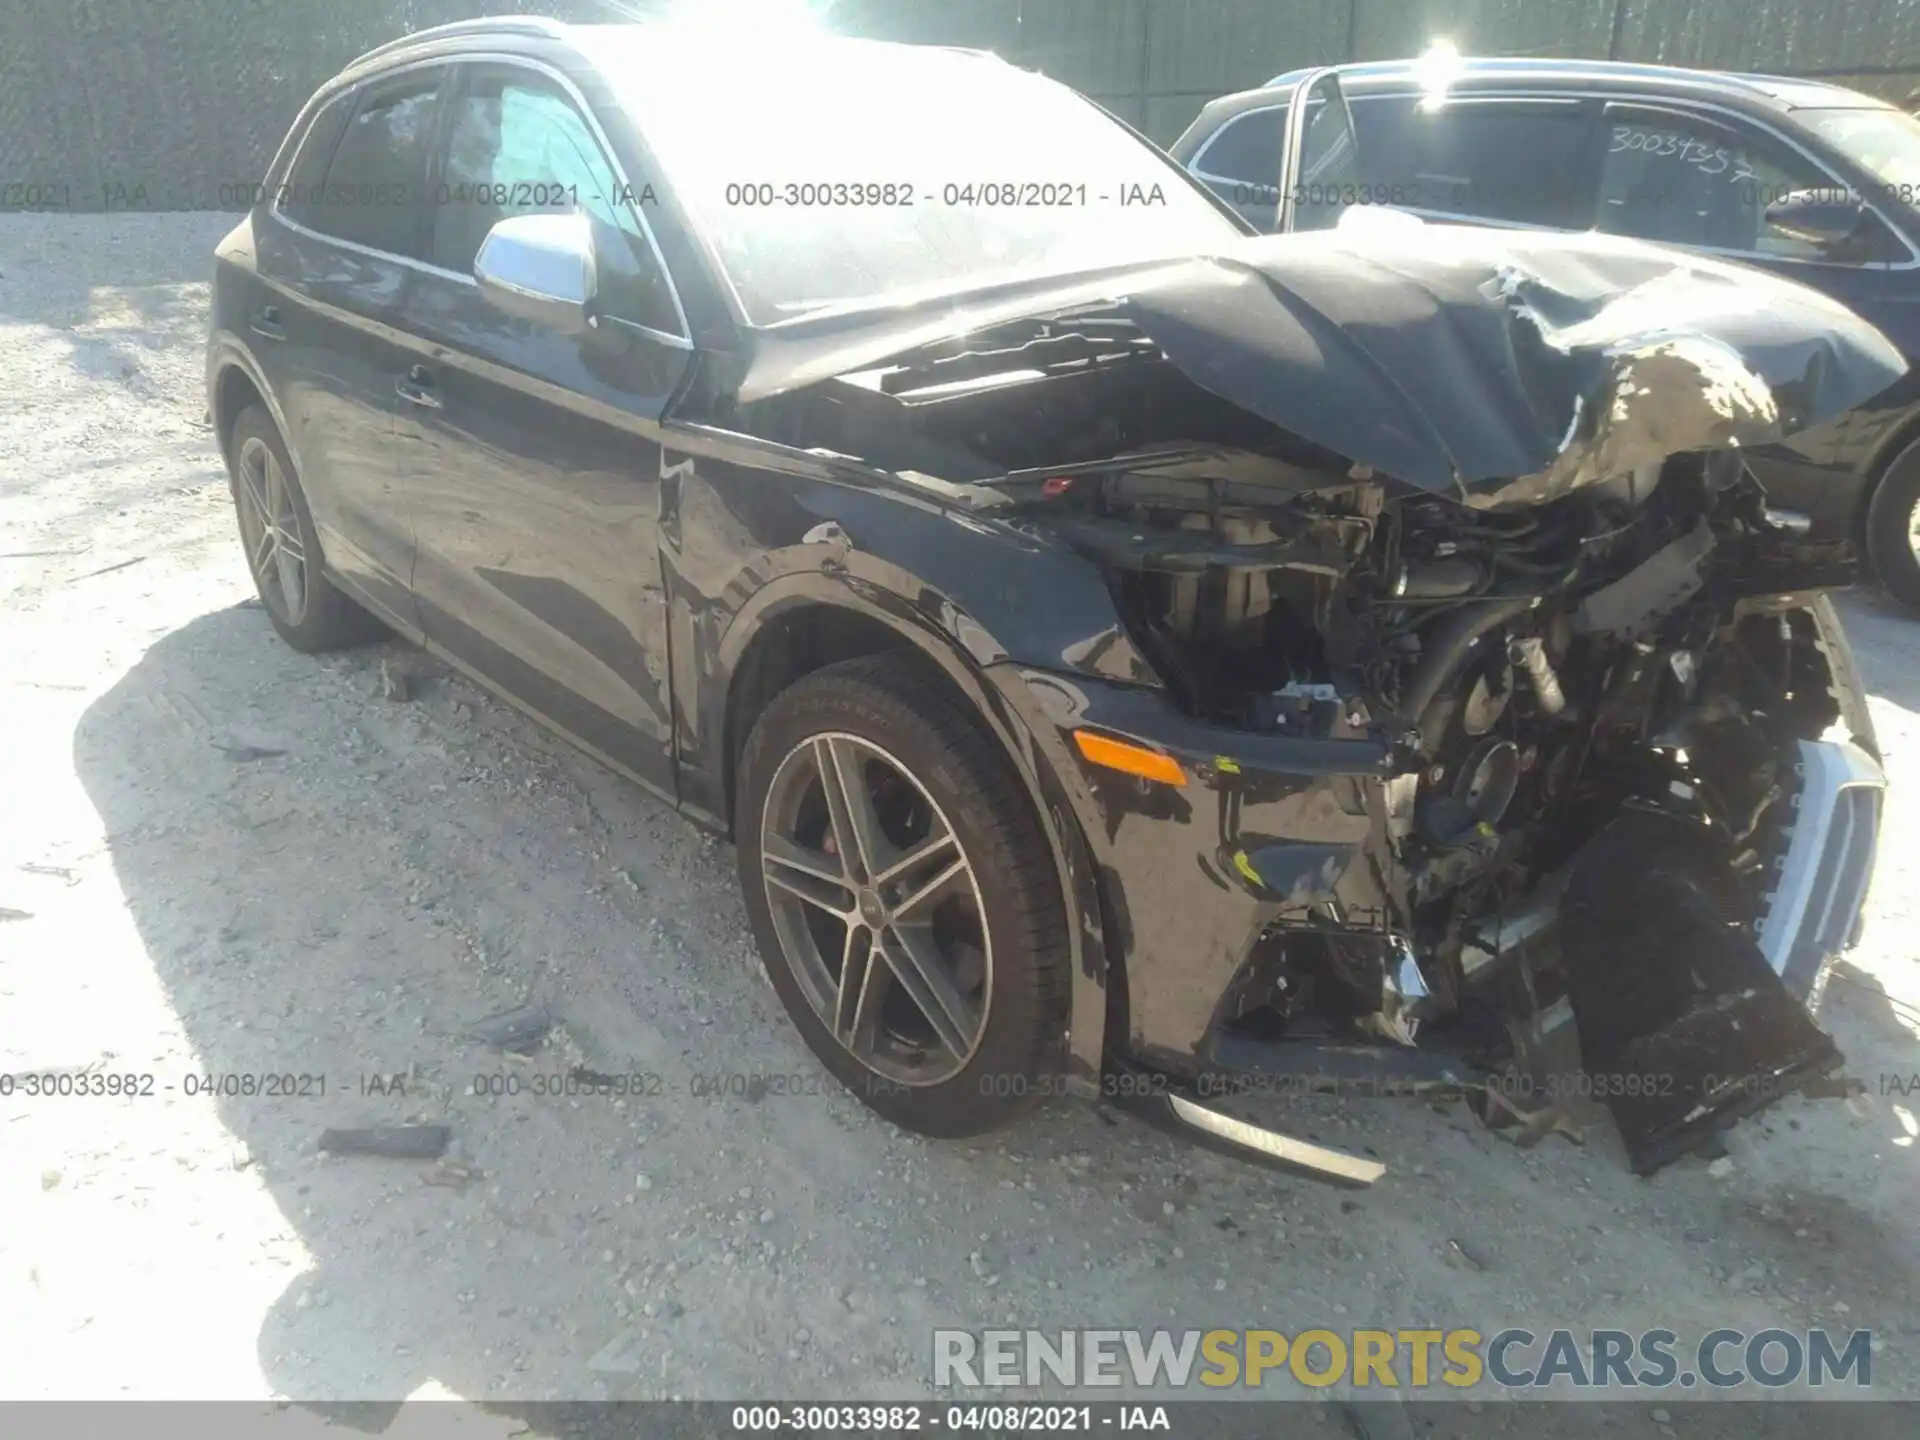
[[374, 193], [1522, 161]]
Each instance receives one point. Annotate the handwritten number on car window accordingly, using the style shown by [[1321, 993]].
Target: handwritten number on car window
[[1708, 160]]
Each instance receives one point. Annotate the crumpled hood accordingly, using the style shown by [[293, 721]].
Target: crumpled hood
[[1500, 366]]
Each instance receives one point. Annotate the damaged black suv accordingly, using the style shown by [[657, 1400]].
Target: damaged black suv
[[1130, 655]]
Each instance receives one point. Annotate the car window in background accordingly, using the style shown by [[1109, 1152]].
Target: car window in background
[[1246, 149], [372, 195], [1883, 141], [1685, 182], [838, 177], [518, 147], [1519, 162]]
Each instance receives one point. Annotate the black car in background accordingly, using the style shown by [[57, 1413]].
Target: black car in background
[[1808, 180], [1127, 652]]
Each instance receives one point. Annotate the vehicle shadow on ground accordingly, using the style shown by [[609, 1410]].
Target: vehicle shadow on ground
[[327, 883], [268, 819]]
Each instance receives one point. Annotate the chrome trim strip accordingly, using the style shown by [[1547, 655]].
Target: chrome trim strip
[[1810, 915], [683, 340], [1337, 1164]]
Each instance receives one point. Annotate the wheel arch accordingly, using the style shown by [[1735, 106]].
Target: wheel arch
[[796, 626], [234, 381], [1903, 437]]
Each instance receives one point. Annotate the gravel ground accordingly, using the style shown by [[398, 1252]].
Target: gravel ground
[[220, 857]]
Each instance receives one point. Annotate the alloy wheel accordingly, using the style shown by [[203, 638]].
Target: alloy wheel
[[270, 530], [877, 909]]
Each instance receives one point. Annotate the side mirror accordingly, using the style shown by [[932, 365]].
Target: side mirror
[[1827, 219], [540, 268]]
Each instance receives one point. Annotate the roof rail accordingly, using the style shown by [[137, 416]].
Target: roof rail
[[1513, 64], [485, 25]]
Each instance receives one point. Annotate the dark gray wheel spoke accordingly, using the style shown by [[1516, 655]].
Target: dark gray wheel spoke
[[808, 875], [856, 827], [863, 980], [263, 551], [931, 879], [256, 493], [917, 964], [292, 577], [903, 869]]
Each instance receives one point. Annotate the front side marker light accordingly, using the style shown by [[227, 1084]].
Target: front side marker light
[[1128, 758]]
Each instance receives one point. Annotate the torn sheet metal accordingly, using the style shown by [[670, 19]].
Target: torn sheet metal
[[1504, 367]]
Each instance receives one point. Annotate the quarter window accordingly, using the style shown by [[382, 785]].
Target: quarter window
[[1247, 148], [301, 191], [372, 192], [518, 147]]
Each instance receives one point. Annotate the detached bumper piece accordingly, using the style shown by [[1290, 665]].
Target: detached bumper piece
[[1206, 1120], [1684, 1024], [1289, 1152]]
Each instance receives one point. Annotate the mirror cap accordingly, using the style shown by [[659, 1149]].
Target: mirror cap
[[1822, 217], [540, 268]]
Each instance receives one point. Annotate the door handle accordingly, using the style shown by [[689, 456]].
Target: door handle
[[266, 321], [417, 388]]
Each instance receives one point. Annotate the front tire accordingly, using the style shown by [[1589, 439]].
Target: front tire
[[282, 547], [903, 896], [1892, 540]]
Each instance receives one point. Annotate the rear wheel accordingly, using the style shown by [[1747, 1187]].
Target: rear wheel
[[903, 896], [283, 551], [1893, 529]]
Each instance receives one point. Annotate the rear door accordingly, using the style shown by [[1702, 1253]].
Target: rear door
[[344, 237], [532, 458]]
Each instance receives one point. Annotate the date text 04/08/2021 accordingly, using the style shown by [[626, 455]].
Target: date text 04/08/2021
[[981, 1417]]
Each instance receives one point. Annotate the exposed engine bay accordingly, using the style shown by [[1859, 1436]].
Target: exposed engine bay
[[1634, 660], [1482, 502]]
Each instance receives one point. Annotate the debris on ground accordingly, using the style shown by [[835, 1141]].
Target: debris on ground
[[1529, 1127], [395, 683], [518, 1030], [449, 1175], [240, 754], [396, 1142], [619, 1356]]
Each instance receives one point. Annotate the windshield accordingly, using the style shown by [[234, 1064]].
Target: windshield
[[833, 178], [1885, 141]]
